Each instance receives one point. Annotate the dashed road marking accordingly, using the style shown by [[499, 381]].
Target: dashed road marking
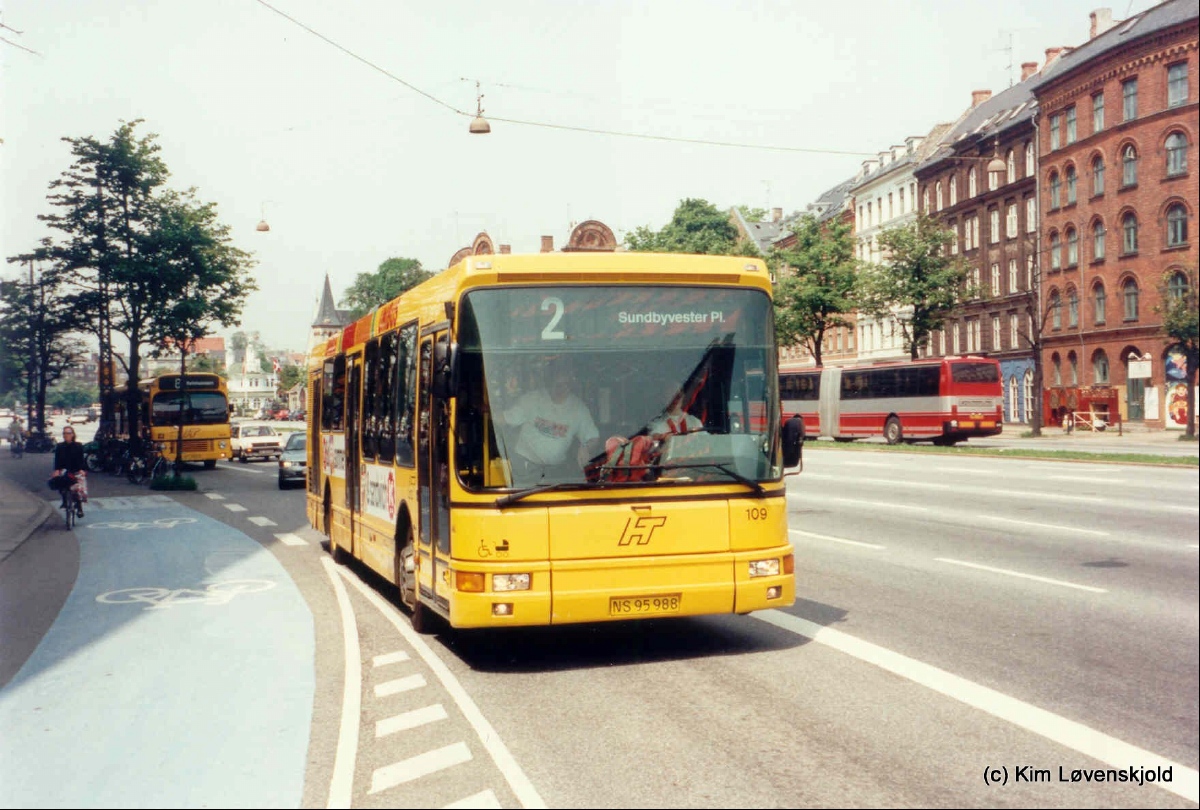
[[482, 799], [258, 520], [413, 719], [234, 507], [407, 770], [406, 684], [289, 539], [390, 658]]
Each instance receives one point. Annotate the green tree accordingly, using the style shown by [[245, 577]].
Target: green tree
[[1180, 309], [918, 285], [289, 375], [697, 226], [36, 338], [127, 243], [818, 279], [752, 214], [203, 362], [393, 277], [70, 394]]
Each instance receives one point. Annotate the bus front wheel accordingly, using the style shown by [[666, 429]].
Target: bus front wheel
[[892, 431]]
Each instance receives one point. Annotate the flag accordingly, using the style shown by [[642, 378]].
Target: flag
[[275, 364]]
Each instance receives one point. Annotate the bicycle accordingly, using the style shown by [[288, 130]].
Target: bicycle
[[72, 504], [16, 445]]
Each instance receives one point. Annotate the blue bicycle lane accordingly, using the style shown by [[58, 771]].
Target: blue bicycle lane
[[179, 672]]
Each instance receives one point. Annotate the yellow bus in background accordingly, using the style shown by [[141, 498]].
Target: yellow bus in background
[[413, 462], [202, 401]]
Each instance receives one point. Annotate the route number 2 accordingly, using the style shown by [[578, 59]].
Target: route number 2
[[551, 332]]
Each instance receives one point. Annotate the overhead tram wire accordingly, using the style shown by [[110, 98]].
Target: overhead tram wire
[[545, 125]]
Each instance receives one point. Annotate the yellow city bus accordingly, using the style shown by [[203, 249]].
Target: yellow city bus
[[202, 399], [414, 466]]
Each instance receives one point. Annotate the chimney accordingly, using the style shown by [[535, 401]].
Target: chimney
[[1052, 54], [547, 244], [979, 96], [1102, 20], [506, 249], [776, 214], [1028, 69]]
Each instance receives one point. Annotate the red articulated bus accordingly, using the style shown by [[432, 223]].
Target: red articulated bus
[[943, 400]]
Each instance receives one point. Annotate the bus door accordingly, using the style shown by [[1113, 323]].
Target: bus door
[[433, 473], [829, 408], [353, 460]]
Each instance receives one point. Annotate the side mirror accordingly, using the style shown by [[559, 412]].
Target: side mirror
[[445, 369], [793, 444]]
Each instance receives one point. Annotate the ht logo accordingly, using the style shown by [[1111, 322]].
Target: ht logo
[[639, 528]]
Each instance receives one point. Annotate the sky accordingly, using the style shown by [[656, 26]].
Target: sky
[[345, 125]]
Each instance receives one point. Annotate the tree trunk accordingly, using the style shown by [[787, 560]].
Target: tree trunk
[[182, 407]]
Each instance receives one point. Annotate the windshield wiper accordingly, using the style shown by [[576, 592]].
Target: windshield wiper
[[513, 497], [734, 474]]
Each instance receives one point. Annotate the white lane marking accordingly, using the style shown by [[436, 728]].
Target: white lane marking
[[880, 504], [389, 658], [1009, 573], [289, 539], [341, 784], [525, 792], [399, 685], [240, 468], [215, 496], [483, 799], [262, 521], [1088, 479], [412, 768], [234, 507], [1071, 529], [413, 719], [1073, 735], [835, 539]]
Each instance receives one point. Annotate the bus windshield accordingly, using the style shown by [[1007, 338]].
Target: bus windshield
[[684, 375], [201, 408]]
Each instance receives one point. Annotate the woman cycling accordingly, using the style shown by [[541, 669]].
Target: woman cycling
[[68, 461]]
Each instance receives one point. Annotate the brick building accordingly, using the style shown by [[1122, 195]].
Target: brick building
[[1117, 131]]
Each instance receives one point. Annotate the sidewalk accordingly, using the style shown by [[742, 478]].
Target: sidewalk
[[21, 514]]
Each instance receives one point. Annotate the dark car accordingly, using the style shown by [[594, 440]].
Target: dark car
[[293, 460]]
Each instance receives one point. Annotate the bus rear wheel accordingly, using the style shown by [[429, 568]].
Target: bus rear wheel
[[892, 431]]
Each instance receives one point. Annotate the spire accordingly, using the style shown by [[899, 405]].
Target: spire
[[327, 314]]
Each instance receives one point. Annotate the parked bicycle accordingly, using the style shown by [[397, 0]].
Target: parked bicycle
[[150, 465]]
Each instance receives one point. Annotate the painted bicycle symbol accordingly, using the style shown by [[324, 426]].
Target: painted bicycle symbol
[[217, 593], [133, 525]]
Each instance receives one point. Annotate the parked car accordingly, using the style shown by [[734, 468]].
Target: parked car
[[293, 461], [255, 440], [79, 416], [300, 415]]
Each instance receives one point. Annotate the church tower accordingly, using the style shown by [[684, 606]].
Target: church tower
[[329, 320]]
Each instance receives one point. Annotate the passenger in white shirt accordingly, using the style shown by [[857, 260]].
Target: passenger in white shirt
[[551, 422]]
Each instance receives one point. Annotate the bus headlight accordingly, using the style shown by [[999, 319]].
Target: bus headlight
[[510, 582], [764, 568], [221, 445]]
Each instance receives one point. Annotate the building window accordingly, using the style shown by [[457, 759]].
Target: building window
[[1055, 251], [1098, 233], [1177, 287], [1072, 247], [996, 333], [1030, 215], [1029, 158], [938, 195], [1098, 303], [972, 187], [953, 191], [994, 225], [1129, 160], [1055, 191], [1012, 275], [1100, 368], [1071, 124], [973, 337], [925, 201], [1177, 84], [1072, 308], [902, 210], [1073, 365], [1129, 99], [1027, 392], [1177, 234], [1070, 185], [975, 231], [1129, 292], [954, 242], [1014, 330], [1055, 310], [1097, 112], [1176, 154], [1010, 167], [1012, 400], [976, 287], [1055, 126], [1056, 369], [1129, 227], [955, 339], [1029, 272], [1010, 221], [967, 243], [1098, 176], [890, 214], [995, 279]]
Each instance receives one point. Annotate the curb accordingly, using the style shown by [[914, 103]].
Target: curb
[[23, 532]]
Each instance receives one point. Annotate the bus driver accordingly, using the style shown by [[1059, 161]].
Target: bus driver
[[550, 421]]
